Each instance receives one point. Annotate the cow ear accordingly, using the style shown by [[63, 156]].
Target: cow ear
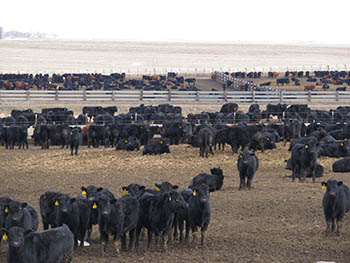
[[175, 187], [99, 189], [83, 188], [72, 200], [27, 232], [340, 183], [24, 205], [142, 187], [113, 201]]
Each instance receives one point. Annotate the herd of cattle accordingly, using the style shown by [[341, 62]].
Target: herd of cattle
[[96, 81], [316, 78], [162, 211], [311, 133]]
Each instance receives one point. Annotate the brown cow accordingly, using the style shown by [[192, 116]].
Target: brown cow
[[7, 84], [309, 87], [21, 85]]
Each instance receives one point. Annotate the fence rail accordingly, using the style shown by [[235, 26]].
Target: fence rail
[[278, 96]]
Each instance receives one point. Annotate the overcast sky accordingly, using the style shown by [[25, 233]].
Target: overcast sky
[[182, 20]]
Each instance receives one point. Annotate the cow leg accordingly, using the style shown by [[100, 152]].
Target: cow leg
[[76, 149], [241, 181], [150, 234], [71, 150], [249, 182], [333, 224], [339, 227], [123, 238], [132, 234]]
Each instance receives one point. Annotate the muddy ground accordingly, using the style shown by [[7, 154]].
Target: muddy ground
[[276, 221]]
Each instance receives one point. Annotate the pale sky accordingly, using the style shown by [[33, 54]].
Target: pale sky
[[317, 21]]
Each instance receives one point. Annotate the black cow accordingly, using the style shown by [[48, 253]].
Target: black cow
[[291, 129], [205, 139], [28, 114], [199, 212], [155, 148], [341, 166], [92, 194], [135, 190], [174, 131], [304, 159], [229, 108], [157, 214], [335, 149], [247, 164], [51, 246], [16, 134], [117, 217], [75, 138], [96, 135], [129, 144], [215, 180], [68, 213], [319, 170], [21, 215], [335, 202], [47, 208]]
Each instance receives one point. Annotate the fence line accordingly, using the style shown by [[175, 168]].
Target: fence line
[[275, 96], [196, 71]]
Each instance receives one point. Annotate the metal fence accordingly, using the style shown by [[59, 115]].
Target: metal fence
[[278, 96]]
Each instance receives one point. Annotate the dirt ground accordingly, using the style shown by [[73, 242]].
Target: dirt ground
[[276, 221]]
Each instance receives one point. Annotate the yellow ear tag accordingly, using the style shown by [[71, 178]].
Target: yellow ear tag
[[161, 142], [71, 133], [324, 187], [4, 237], [169, 198], [126, 141], [57, 203], [267, 138], [158, 189], [94, 206], [83, 192], [194, 193], [6, 210], [125, 192], [342, 144], [306, 146]]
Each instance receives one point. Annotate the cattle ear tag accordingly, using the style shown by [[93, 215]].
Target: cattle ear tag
[[324, 187], [4, 237], [267, 138], [194, 192], [342, 144], [158, 189], [57, 203], [6, 210], [161, 142], [170, 198], [94, 206], [83, 192], [125, 192], [306, 146], [126, 141], [71, 133]]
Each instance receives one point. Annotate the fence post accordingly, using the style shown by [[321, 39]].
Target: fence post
[[253, 95], [169, 95], [337, 96], [141, 95], [281, 96], [113, 95], [84, 95], [56, 95], [225, 95], [197, 95], [309, 96], [27, 94]]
